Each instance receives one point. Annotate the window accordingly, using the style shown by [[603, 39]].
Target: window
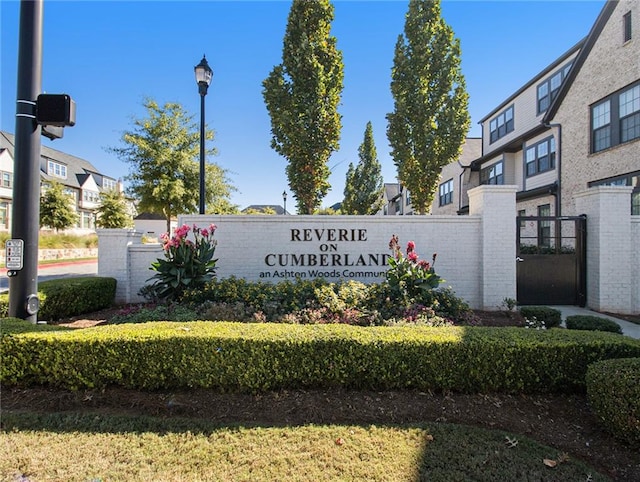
[[4, 215], [6, 180], [446, 192], [501, 125], [626, 21], [87, 220], [548, 89], [522, 213], [56, 169], [616, 119], [544, 227], [492, 174], [90, 196], [407, 201], [540, 157], [632, 179], [630, 114], [108, 184]]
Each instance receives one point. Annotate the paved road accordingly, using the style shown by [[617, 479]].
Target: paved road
[[57, 270]]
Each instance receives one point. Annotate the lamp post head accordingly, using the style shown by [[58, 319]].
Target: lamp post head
[[284, 195], [204, 74]]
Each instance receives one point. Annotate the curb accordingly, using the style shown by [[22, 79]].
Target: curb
[[3, 271]]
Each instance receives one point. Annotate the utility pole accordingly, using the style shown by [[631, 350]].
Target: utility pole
[[23, 283]]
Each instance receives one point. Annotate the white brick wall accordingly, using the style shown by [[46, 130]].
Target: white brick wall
[[250, 246], [476, 253], [611, 271], [635, 264]]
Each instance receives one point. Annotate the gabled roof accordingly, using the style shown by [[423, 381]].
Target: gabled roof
[[261, 207], [78, 170], [588, 44]]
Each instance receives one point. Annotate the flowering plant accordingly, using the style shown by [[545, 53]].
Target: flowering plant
[[408, 276], [187, 264]]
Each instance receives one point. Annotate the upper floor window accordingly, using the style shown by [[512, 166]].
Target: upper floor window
[[6, 180], [501, 125], [446, 192], [540, 157], [91, 196], [626, 26], [56, 169], [548, 89], [492, 174], [616, 119], [109, 184]]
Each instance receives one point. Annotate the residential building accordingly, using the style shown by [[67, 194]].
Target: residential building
[[81, 180], [574, 125], [397, 199]]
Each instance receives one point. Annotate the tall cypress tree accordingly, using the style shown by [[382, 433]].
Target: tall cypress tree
[[302, 96], [363, 187], [431, 117]]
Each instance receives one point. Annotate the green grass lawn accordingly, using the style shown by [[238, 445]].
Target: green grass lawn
[[84, 447]]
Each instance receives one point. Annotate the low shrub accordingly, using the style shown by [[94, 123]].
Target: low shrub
[[152, 312], [613, 390], [272, 300], [551, 317], [592, 323], [269, 356], [64, 297], [13, 326]]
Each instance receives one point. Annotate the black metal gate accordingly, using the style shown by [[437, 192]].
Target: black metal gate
[[551, 260]]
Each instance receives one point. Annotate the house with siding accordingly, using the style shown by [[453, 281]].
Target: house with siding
[[81, 181], [573, 126]]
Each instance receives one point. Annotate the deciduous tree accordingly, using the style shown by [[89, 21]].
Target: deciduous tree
[[363, 187], [430, 118], [56, 207], [113, 212], [163, 151], [302, 96]]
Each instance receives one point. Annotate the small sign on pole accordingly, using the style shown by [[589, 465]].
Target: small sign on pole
[[14, 254]]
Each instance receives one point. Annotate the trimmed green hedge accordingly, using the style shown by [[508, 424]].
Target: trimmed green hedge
[[551, 317], [64, 297], [613, 389], [592, 323], [256, 357]]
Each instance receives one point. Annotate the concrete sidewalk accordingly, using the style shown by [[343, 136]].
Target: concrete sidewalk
[[628, 328]]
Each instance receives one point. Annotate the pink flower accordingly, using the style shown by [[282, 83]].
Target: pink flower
[[413, 257], [204, 232], [212, 228], [411, 246], [424, 264]]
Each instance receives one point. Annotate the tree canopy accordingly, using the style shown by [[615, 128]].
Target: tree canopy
[[56, 207], [163, 152], [430, 119], [364, 185], [302, 96], [113, 212]]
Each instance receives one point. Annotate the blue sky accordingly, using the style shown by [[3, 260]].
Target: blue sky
[[109, 56]]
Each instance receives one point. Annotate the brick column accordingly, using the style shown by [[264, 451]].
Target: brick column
[[496, 205], [113, 258], [609, 247]]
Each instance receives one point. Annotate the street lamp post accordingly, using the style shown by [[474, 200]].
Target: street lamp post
[[284, 198], [204, 74]]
